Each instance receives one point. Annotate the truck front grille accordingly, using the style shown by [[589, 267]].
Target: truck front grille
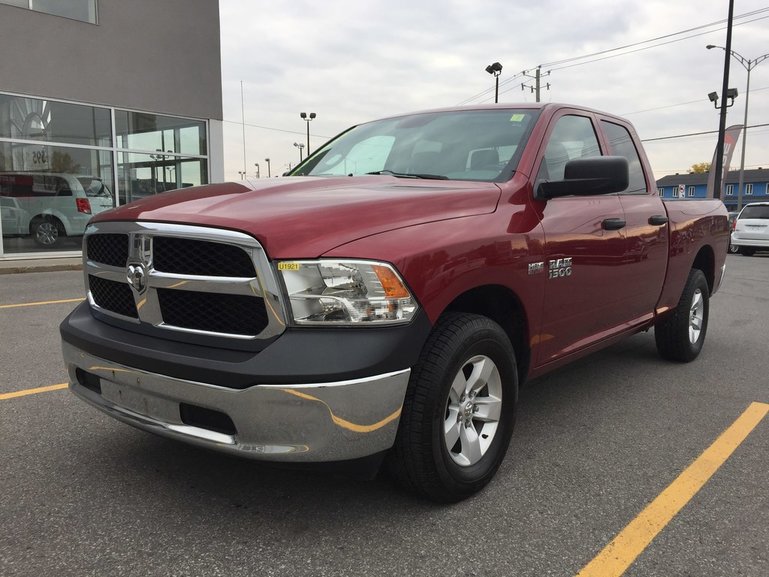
[[177, 279], [216, 313], [196, 257], [111, 249], [113, 296]]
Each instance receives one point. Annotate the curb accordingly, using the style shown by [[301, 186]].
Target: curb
[[8, 268]]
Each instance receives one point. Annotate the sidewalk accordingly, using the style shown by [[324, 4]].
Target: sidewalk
[[40, 265]]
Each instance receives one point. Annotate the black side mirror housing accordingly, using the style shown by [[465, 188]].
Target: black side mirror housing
[[589, 177]]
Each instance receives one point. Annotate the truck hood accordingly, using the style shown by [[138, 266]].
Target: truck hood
[[304, 217]]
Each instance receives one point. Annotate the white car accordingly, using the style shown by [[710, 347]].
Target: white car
[[751, 229], [49, 206]]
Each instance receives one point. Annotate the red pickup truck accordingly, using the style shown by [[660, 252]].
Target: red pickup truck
[[386, 300]]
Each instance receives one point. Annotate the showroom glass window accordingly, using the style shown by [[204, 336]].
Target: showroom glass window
[[85, 10], [63, 162], [55, 172], [166, 153]]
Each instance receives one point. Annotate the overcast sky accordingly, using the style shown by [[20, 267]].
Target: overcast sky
[[353, 61]]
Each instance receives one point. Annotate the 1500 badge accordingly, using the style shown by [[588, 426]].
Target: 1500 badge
[[560, 268]]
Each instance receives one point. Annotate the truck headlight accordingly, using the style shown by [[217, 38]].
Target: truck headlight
[[346, 292]]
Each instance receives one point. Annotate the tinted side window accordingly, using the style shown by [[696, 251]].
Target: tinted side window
[[620, 144], [573, 137]]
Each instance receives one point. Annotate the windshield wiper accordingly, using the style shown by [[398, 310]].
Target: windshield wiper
[[407, 175]]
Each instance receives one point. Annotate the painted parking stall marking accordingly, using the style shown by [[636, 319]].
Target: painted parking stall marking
[[35, 391], [620, 553], [41, 303]]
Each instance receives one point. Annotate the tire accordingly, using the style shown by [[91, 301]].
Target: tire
[[681, 333], [46, 232], [734, 249], [747, 251], [459, 410]]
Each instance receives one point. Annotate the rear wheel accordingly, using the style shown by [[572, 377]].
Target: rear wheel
[[681, 333], [459, 410], [734, 249]]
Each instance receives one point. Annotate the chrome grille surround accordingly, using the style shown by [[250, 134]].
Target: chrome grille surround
[[145, 282]]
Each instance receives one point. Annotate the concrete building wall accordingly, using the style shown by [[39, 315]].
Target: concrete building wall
[[160, 56]]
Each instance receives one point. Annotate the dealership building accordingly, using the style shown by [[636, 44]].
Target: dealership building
[[102, 102]]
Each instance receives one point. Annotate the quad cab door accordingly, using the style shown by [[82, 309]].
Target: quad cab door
[[594, 261], [584, 246], [646, 226]]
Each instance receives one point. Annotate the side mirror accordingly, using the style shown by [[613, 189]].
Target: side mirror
[[588, 177]]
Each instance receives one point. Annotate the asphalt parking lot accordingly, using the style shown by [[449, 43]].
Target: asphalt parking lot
[[594, 461]]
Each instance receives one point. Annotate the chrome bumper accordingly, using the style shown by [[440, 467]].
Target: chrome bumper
[[332, 421]]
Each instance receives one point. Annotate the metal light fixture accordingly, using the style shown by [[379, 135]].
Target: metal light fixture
[[300, 146], [495, 70], [307, 117], [267, 160], [731, 94]]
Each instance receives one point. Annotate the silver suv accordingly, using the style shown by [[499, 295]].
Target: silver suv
[[49, 206]]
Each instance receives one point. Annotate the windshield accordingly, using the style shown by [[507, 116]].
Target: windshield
[[457, 145], [756, 211]]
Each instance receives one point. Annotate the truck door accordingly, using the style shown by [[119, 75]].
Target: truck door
[[584, 249], [646, 229]]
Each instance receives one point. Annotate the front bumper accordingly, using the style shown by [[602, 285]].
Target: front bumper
[[331, 421]]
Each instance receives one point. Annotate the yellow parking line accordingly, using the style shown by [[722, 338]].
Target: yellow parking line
[[40, 303], [4, 396], [618, 555]]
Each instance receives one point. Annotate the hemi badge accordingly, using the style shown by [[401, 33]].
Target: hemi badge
[[536, 267]]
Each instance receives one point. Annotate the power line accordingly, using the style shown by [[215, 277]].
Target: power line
[[275, 129], [619, 48], [646, 47], [663, 37], [699, 101], [693, 134]]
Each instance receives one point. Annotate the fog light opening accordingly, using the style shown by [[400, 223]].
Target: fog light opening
[[209, 419], [88, 380]]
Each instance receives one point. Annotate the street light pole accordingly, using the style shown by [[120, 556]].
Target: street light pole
[[307, 117], [256, 164], [748, 65], [300, 146], [267, 160], [495, 70]]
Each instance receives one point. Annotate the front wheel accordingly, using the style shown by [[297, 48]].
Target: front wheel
[[681, 333], [46, 232], [459, 410]]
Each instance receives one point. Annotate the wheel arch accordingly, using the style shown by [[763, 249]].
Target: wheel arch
[[706, 262], [503, 306], [43, 216]]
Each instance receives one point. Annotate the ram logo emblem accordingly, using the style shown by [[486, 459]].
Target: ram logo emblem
[[137, 277]]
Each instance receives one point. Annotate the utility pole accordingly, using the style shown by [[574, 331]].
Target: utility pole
[[717, 185], [536, 89]]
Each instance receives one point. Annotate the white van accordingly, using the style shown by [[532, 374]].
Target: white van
[[49, 206]]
